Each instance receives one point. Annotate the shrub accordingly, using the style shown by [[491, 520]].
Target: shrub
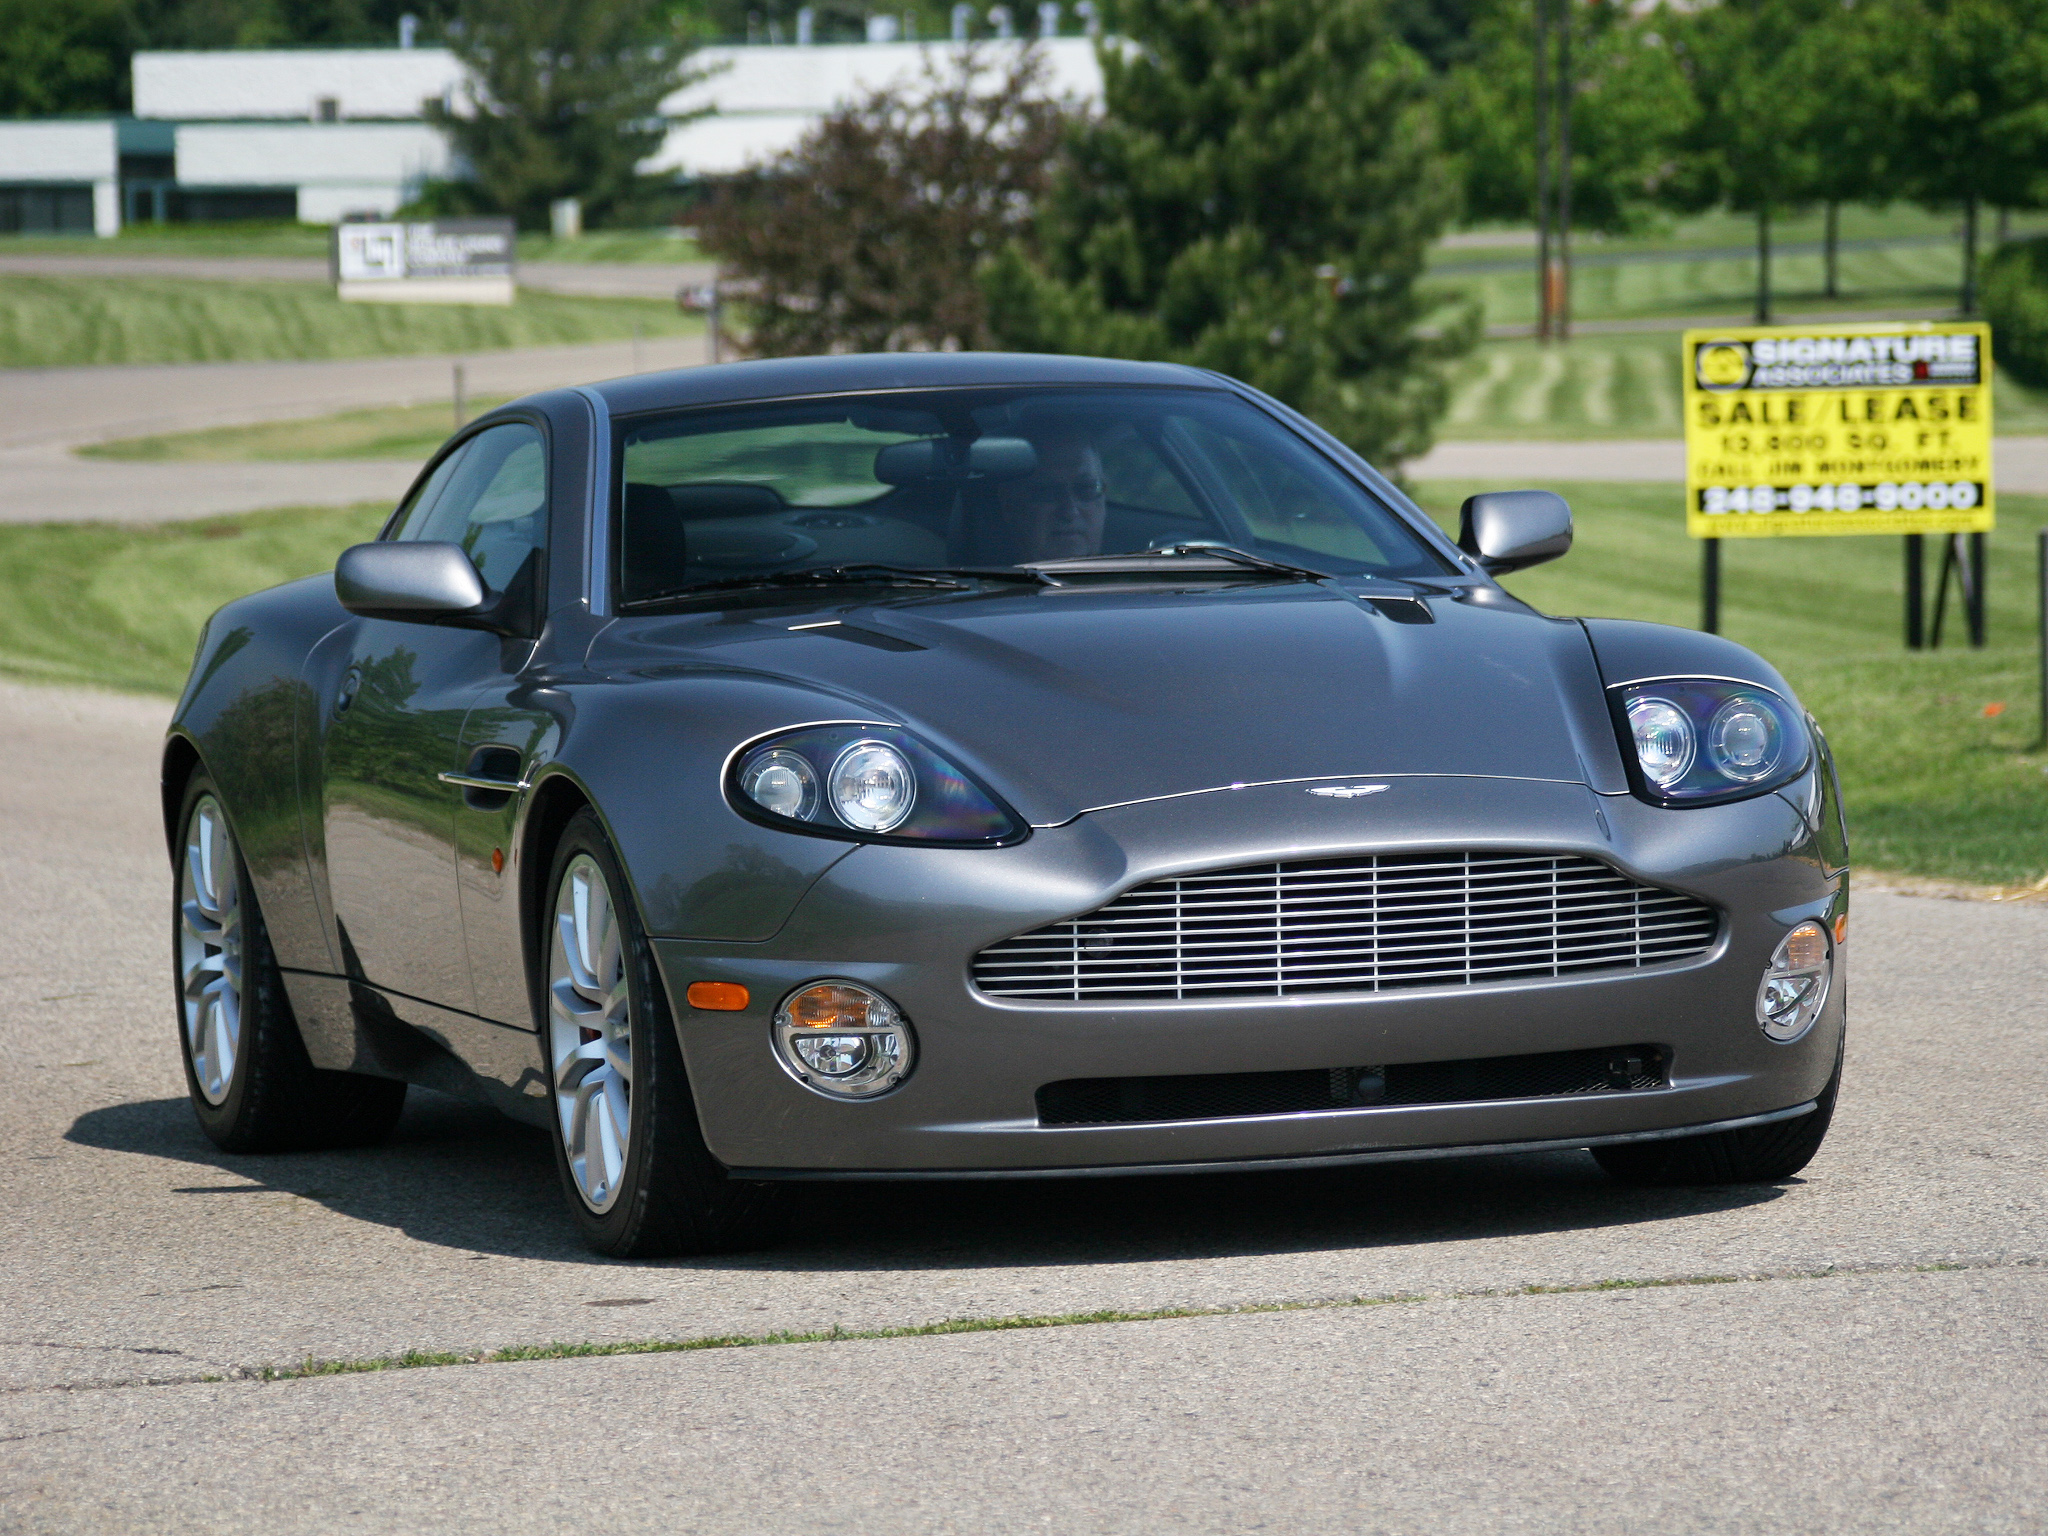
[[2015, 301]]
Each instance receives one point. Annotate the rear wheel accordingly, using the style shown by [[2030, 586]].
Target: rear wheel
[[1756, 1154], [640, 1181], [246, 1069]]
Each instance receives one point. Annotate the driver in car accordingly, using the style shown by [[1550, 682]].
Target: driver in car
[[1055, 511]]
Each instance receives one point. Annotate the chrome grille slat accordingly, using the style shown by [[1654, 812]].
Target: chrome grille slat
[[1362, 924]]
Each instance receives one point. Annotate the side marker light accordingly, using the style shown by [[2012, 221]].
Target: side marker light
[[717, 996]]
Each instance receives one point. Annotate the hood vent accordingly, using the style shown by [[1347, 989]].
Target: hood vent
[[1367, 923]]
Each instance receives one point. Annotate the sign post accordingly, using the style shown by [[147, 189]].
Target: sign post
[[1793, 431]]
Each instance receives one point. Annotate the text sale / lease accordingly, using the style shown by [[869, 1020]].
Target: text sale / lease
[[1838, 429]]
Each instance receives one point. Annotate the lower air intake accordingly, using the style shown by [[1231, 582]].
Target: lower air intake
[[1232, 1095]]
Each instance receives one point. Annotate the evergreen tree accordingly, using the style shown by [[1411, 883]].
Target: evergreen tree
[[1257, 196], [564, 99]]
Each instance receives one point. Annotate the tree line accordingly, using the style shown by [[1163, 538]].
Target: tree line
[[1258, 189]]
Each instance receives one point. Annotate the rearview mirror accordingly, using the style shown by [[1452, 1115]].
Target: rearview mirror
[[947, 458], [421, 582], [1511, 530]]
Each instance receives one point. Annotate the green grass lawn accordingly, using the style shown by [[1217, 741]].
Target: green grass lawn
[[57, 321], [1934, 785], [1623, 385], [386, 432], [119, 605]]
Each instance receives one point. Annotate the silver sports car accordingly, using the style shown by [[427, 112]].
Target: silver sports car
[[995, 767]]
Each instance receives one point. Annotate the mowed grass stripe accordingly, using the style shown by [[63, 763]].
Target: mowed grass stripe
[[1615, 386], [63, 321]]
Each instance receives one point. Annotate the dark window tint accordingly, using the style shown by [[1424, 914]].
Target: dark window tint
[[489, 496]]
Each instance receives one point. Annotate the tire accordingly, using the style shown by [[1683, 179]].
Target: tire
[[639, 1180], [1756, 1154], [252, 1085]]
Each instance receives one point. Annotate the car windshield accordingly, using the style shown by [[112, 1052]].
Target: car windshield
[[985, 479]]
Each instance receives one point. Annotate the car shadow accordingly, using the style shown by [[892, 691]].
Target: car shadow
[[460, 1176]]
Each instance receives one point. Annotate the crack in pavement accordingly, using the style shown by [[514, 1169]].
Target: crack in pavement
[[535, 1353]]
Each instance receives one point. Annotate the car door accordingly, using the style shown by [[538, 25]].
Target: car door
[[392, 757]]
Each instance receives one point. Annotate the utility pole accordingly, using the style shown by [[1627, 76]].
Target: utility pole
[[1540, 97], [1552, 97]]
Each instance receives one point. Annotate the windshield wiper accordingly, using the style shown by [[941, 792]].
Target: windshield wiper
[[1175, 560], [938, 578]]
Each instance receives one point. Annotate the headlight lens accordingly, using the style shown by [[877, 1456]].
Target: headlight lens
[[843, 1040], [1795, 987], [866, 781], [1664, 740], [873, 788], [1701, 741], [781, 782]]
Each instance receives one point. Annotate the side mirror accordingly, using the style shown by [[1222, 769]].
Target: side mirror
[[421, 582], [1510, 530]]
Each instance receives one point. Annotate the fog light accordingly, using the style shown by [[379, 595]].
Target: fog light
[[1796, 985], [843, 1040]]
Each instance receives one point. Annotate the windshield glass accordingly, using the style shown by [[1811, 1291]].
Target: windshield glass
[[985, 478]]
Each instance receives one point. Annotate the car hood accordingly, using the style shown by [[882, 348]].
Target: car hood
[[1068, 700]]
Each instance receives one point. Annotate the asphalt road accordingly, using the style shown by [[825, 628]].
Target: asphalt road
[[46, 412], [1863, 1349]]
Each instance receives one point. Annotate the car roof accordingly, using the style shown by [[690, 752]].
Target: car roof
[[783, 377]]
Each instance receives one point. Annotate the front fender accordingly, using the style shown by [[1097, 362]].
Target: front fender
[[650, 752], [246, 715]]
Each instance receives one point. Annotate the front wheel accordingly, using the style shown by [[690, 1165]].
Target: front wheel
[[251, 1083], [640, 1181], [1756, 1154]]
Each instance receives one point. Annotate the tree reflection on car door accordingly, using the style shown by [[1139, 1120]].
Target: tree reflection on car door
[[394, 725]]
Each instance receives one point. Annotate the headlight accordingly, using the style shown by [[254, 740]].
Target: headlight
[[1702, 741], [873, 789], [1796, 985], [843, 1040], [869, 782]]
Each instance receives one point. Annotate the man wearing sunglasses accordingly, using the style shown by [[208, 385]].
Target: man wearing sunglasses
[[1055, 511]]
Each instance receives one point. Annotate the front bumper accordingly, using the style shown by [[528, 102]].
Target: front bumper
[[909, 921]]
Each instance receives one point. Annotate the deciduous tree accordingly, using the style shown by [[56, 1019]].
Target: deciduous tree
[[867, 235]]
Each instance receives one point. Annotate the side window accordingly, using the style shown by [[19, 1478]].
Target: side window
[[493, 502], [414, 512]]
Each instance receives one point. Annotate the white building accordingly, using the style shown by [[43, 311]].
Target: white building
[[324, 134], [61, 176]]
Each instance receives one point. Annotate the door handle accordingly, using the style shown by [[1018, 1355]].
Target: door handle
[[478, 781]]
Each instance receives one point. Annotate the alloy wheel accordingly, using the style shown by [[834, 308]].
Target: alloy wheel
[[590, 1042], [210, 950]]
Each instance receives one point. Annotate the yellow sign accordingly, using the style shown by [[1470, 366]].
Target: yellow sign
[[1837, 429]]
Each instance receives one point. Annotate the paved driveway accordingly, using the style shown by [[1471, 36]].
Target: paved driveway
[[1863, 1349]]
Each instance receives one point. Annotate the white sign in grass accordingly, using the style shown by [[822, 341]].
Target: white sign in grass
[[452, 261]]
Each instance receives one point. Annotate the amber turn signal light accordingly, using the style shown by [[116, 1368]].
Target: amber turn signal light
[[720, 996]]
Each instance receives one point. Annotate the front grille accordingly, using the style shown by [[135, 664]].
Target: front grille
[[1367, 923], [1227, 1095]]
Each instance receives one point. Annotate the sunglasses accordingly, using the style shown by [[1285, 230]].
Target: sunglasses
[[1050, 493]]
